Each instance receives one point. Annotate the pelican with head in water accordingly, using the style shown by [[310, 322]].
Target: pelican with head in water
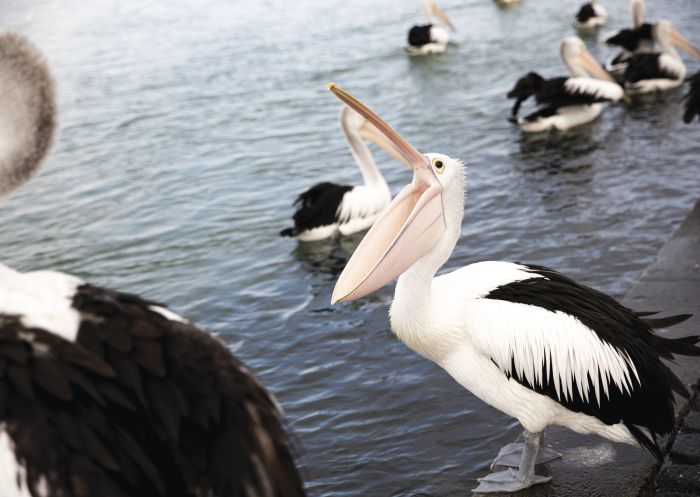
[[327, 209], [523, 338], [565, 102], [104, 393], [430, 38], [637, 39], [659, 71]]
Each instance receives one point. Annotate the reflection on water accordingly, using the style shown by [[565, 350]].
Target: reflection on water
[[188, 128]]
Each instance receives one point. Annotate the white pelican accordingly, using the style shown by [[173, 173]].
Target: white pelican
[[656, 72], [692, 99], [566, 102], [429, 38], [591, 15], [523, 338], [104, 393], [637, 39], [327, 209]]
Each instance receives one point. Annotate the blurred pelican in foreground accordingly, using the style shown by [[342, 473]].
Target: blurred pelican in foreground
[[104, 393], [591, 15], [523, 338], [327, 209], [565, 102], [659, 71], [429, 38], [637, 39]]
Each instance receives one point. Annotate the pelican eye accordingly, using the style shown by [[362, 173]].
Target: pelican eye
[[439, 165]]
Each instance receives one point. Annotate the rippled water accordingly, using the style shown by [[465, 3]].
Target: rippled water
[[187, 128]]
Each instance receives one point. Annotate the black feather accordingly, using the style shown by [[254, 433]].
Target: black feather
[[692, 99], [318, 206], [419, 35]]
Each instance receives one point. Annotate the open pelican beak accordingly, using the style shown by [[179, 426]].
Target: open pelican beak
[[369, 131], [437, 11], [409, 227], [682, 42], [594, 67]]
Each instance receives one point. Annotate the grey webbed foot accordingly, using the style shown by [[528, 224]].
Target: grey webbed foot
[[511, 454], [509, 480]]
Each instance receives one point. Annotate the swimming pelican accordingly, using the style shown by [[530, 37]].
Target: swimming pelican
[[656, 72], [591, 15], [692, 99], [523, 338], [637, 39], [565, 102], [429, 38], [327, 208], [104, 393]]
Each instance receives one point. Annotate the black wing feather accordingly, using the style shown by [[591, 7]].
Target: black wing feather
[[643, 66], [138, 405], [317, 206], [419, 35]]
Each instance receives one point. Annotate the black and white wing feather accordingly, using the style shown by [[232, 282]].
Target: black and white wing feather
[[584, 350], [139, 403], [643, 66], [316, 207]]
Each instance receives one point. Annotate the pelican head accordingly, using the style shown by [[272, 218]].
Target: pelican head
[[27, 111], [579, 61], [526, 86], [667, 37], [432, 11], [424, 215]]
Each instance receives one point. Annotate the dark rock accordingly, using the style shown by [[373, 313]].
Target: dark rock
[[686, 449], [680, 478]]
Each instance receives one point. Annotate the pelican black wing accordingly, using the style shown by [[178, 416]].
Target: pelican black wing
[[317, 206], [139, 404], [649, 403]]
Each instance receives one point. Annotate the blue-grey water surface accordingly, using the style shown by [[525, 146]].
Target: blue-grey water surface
[[187, 128]]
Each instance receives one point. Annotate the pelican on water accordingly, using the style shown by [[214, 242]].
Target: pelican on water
[[565, 102], [659, 71], [523, 338], [591, 15], [430, 38], [104, 393], [327, 208], [637, 39]]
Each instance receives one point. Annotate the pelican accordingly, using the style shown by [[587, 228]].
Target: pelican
[[566, 102], [692, 99], [104, 393], [523, 338], [656, 72], [327, 209], [637, 39], [429, 38], [591, 15]]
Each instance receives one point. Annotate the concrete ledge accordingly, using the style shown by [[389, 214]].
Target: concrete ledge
[[595, 467]]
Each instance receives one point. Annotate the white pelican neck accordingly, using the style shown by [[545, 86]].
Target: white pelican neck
[[371, 174]]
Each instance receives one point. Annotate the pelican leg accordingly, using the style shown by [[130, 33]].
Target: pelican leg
[[511, 480], [511, 454]]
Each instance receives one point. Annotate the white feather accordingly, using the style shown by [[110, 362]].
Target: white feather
[[594, 87], [13, 476], [41, 299]]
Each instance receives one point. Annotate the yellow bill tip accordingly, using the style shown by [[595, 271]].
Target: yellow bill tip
[[331, 86]]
